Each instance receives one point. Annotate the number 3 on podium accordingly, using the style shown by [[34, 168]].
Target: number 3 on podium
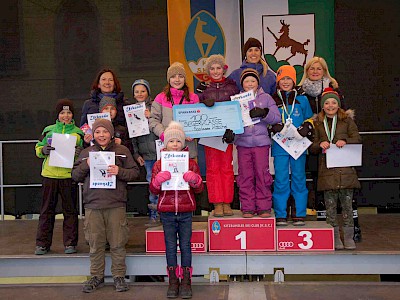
[[307, 241]]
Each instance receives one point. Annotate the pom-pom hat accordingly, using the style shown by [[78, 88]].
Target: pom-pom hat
[[329, 93], [174, 131], [175, 69]]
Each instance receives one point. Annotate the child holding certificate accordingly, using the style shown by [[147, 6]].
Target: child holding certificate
[[219, 169], [336, 127], [176, 92], [254, 180], [176, 208], [144, 147], [57, 181], [295, 110], [105, 208]]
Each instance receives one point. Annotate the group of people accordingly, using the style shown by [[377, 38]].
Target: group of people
[[315, 108]]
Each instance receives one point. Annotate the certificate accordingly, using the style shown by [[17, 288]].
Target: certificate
[[159, 147], [290, 144], [199, 120], [246, 101], [136, 120], [214, 142], [92, 117], [64, 153], [99, 162], [350, 155], [177, 163]]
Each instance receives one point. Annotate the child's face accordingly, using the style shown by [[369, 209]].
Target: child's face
[[177, 81], [315, 72], [110, 109], [286, 84], [253, 55], [174, 145], [216, 72], [65, 116], [331, 107], [106, 83], [250, 83], [102, 136], [140, 92]]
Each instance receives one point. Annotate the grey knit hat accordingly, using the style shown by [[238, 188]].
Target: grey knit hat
[[215, 59], [174, 69], [174, 131], [103, 123], [105, 101], [142, 82]]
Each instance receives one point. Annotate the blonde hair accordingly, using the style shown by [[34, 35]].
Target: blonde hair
[[317, 59]]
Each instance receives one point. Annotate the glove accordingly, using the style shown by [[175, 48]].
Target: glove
[[258, 112], [305, 130], [78, 150], [276, 127], [192, 178], [161, 177], [208, 102], [200, 88], [228, 137], [46, 149]]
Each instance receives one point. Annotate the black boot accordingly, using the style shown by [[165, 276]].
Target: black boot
[[186, 287], [173, 288]]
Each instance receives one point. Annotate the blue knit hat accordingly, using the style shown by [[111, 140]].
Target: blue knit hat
[[142, 82]]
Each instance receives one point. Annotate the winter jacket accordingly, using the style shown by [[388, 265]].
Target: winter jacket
[[336, 178], [267, 82], [257, 135], [91, 106], [301, 112], [220, 91], [57, 172], [106, 198], [145, 145], [161, 114], [176, 201]]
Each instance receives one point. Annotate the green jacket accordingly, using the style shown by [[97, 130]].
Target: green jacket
[[57, 172]]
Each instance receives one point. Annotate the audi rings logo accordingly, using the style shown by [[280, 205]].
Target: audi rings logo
[[284, 245], [197, 246]]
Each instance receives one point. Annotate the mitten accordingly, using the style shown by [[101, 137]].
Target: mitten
[[208, 102], [305, 130], [201, 87], [161, 177], [258, 112], [228, 137], [78, 150], [162, 136], [276, 127], [46, 149], [192, 178]]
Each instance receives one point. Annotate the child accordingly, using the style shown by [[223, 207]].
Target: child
[[57, 181], [254, 180], [144, 147], [105, 209], [176, 208], [294, 110], [175, 92], [219, 169], [336, 126]]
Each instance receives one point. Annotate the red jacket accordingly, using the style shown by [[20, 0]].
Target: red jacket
[[176, 201]]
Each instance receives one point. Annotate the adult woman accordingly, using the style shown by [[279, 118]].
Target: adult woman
[[252, 53]]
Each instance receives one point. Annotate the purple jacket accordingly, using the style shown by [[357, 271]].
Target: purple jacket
[[220, 91], [257, 135]]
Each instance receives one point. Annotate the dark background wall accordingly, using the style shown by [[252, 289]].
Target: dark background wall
[[53, 49]]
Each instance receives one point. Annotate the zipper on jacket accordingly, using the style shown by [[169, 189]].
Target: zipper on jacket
[[176, 202], [190, 197], [162, 198]]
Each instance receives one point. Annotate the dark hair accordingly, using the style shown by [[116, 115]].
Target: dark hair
[[167, 92], [117, 85]]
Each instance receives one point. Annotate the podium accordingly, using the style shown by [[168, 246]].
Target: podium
[[313, 236], [235, 233], [155, 239]]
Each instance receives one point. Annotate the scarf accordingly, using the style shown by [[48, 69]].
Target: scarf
[[315, 88]]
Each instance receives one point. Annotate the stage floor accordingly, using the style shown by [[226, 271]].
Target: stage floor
[[17, 237]]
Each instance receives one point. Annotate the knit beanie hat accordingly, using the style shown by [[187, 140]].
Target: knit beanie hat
[[251, 42], [215, 59], [103, 123], [64, 104], [249, 72], [284, 71], [174, 69], [142, 82], [329, 93], [174, 131], [105, 101]]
